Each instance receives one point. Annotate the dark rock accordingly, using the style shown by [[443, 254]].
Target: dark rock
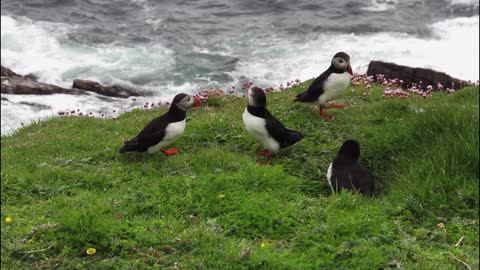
[[6, 72], [13, 83], [36, 106], [4, 98], [111, 91], [32, 77], [20, 85], [411, 75]]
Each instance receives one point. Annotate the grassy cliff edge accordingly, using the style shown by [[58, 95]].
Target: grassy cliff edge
[[66, 189]]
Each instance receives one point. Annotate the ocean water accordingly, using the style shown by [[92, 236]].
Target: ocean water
[[167, 47]]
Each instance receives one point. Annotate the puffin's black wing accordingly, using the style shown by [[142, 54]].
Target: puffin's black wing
[[315, 89], [354, 177], [279, 132], [150, 135]]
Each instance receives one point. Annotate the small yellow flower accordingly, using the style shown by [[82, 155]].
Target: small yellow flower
[[440, 226], [263, 245], [221, 196], [8, 219], [91, 251]]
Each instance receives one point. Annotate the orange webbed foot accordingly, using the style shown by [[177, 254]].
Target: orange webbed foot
[[169, 152], [263, 152], [335, 106]]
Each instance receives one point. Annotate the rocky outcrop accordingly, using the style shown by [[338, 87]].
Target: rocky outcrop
[[21, 85], [111, 91], [6, 72], [36, 106], [411, 75], [13, 83]]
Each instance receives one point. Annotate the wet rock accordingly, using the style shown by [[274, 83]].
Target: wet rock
[[111, 91], [32, 77], [411, 75], [36, 106], [6, 72], [20, 85], [13, 83]]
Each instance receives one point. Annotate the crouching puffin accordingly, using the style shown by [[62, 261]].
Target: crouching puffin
[[329, 85], [345, 172], [267, 129], [163, 130]]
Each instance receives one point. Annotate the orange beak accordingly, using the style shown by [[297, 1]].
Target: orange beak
[[198, 103], [349, 70]]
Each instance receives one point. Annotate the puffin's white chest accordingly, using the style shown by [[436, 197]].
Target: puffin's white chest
[[329, 175], [172, 133], [256, 126], [334, 86]]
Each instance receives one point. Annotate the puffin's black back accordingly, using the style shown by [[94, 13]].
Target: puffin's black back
[[348, 173], [316, 88], [284, 136], [155, 130]]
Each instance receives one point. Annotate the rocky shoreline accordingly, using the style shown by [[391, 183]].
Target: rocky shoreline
[[13, 83], [411, 75]]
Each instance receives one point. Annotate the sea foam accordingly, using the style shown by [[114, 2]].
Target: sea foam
[[45, 49]]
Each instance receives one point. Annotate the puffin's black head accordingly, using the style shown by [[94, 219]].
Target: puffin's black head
[[341, 61], [185, 102], [350, 149], [256, 97]]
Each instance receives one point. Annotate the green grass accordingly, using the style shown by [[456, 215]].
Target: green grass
[[67, 189]]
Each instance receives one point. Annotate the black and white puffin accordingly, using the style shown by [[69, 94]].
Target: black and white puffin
[[163, 130], [267, 129], [346, 172], [329, 85]]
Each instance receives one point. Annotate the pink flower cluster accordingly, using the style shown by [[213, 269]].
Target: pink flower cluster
[[79, 113], [389, 84], [419, 92], [232, 90], [395, 93], [269, 89], [247, 86], [379, 79], [362, 80], [205, 95], [292, 83], [75, 113], [440, 87], [151, 105]]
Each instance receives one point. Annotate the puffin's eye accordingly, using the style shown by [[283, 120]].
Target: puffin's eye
[[340, 61]]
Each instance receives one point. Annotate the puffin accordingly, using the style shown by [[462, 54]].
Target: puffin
[[163, 130], [346, 172], [329, 85], [264, 127]]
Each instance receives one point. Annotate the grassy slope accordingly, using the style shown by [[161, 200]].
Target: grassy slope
[[67, 188]]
